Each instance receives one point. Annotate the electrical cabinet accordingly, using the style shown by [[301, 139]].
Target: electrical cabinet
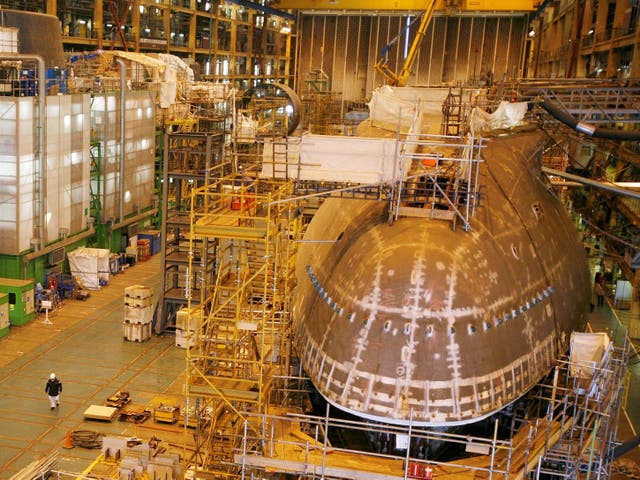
[[4, 314], [21, 299]]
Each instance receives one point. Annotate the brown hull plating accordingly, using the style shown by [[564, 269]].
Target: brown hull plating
[[418, 322]]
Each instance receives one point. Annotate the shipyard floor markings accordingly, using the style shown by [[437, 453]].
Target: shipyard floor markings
[[85, 347]]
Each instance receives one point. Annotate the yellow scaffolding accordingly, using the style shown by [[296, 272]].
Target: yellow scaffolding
[[238, 338]]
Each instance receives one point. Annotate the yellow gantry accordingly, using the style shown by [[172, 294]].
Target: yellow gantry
[[413, 5], [400, 79]]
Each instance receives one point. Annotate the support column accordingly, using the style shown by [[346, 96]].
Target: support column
[[98, 22], [167, 27], [52, 7], [135, 24], [634, 309], [635, 62]]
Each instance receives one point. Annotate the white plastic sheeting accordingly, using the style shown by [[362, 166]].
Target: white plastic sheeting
[[247, 128], [587, 351], [139, 162], [90, 265], [507, 115], [168, 70], [168, 88], [390, 106], [176, 71], [67, 169], [334, 158], [186, 73]]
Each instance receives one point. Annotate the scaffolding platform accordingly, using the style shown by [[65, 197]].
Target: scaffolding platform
[[575, 432]]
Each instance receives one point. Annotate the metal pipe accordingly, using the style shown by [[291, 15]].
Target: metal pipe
[[592, 183], [136, 218], [87, 233], [565, 117], [62, 243], [42, 99], [123, 112]]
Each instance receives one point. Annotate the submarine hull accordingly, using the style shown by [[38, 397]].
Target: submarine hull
[[418, 322]]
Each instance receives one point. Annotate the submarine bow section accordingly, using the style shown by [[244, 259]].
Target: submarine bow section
[[416, 322]]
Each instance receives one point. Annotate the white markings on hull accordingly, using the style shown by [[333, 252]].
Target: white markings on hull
[[362, 340]]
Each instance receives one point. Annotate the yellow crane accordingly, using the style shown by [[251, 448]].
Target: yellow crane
[[382, 65]]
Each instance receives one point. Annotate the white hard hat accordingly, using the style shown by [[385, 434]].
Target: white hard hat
[[52, 376]]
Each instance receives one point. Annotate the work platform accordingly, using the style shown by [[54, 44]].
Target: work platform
[[576, 434], [85, 348]]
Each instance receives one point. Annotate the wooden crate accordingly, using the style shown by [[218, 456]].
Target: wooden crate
[[166, 413]]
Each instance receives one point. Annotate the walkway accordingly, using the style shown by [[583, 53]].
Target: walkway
[[85, 347]]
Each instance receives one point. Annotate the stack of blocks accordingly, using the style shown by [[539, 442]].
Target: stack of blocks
[[187, 322], [138, 313], [141, 461]]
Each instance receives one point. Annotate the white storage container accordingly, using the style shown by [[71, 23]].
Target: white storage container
[[137, 291], [138, 314], [137, 332], [184, 338], [91, 265], [138, 302], [183, 322]]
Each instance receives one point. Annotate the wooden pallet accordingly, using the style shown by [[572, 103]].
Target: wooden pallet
[[134, 413]]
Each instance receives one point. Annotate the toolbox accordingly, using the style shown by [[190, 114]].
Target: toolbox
[[166, 413]]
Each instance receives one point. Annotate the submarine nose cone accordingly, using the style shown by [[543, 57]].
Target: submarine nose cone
[[418, 322]]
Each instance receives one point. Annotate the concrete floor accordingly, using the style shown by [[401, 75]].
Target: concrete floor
[[85, 348], [615, 323]]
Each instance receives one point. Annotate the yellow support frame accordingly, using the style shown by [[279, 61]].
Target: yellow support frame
[[400, 80], [239, 338]]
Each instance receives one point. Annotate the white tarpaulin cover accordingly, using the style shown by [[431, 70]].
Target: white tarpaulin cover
[[389, 103], [90, 265], [247, 128], [506, 115], [168, 92], [587, 350], [335, 158], [179, 65]]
